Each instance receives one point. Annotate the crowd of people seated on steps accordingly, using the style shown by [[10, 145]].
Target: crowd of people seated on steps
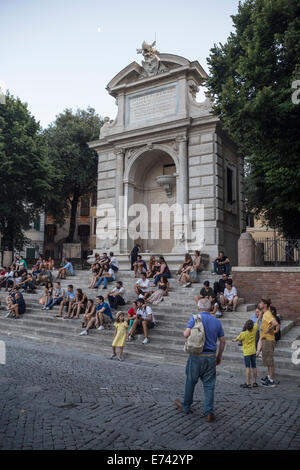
[[149, 289]]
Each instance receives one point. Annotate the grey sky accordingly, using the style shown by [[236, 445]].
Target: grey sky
[[53, 57]]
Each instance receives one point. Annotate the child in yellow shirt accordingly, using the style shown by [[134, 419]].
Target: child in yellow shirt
[[249, 350], [120, 335]]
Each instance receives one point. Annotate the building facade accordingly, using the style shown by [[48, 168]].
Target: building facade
[[163, 149], [85, 231]]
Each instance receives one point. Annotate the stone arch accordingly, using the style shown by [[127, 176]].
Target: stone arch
[[135, 158]]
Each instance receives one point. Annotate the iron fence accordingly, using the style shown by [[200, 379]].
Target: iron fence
[[278, 251]]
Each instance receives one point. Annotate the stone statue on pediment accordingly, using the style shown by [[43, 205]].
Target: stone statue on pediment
[[152, 64]]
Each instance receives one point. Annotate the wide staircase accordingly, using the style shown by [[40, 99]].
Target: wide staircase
[[166, 339]]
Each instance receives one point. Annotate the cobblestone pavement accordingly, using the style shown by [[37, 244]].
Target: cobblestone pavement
[[60, 399]]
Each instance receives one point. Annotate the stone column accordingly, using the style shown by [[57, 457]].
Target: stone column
[[183, 171], [246, 250], [182, 196], [120, 153]]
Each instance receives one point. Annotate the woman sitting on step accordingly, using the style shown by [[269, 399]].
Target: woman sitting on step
[[153, 267], [96, 268], [79, 304], [160, 293], [190, 273], [48, 293], [187, 262], [163, 272], [90, 312]]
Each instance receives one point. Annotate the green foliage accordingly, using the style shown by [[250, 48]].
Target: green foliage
[[26, 177], [75, 164], [250, 82]]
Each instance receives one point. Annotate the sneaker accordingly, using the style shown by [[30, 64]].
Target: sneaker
[[264, 379], [101, 328], [7, 315], [83, 333], [269, 383], [188, 284], [130, 338], [146, 340], [43, 308], [47, 308]]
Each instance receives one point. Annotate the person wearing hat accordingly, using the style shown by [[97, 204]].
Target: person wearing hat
[[120, 335]]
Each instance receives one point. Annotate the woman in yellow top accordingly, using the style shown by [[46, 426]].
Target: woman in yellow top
[[120, 335], [249, 350]]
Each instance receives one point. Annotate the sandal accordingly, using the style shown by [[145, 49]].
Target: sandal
[[245, 386], [113, 356], [255, 385]]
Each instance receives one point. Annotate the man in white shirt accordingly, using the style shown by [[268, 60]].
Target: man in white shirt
[[230, 298], [107, 276], [117, 296], [142, 287], [144, 317], [59, 295]]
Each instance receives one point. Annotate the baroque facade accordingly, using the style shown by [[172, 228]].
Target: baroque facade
[[164, 147]]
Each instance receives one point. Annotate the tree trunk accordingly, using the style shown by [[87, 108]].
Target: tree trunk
[[74, 204]]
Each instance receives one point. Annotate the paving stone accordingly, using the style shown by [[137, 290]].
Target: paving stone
[[65, 407]]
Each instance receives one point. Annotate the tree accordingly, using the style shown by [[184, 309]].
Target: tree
[[26, 175], [250, 82], [75, 163]]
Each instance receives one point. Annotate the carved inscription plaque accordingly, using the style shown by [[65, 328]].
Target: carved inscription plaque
[[152, 105]]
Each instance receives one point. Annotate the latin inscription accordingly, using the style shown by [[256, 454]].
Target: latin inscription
[[152, 105]]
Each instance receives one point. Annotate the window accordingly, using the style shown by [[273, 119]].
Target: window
[[95, 226], [37, 223], [50, 232], [229, 186], [250, 220], [94, 199], [30, 253], [84, 233], [85, 206]]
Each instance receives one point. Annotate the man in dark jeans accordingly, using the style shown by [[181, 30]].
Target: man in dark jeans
[[219, 286], [221, 264], [204, 364]]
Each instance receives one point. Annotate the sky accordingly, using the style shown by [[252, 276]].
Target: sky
[[58, 54]]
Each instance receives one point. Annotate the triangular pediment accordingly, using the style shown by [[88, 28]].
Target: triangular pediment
[[167, 63]]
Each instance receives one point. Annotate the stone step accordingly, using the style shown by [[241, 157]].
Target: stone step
[[166, 318], [164, 333], [164, 329], [232, 361], [66, 329]]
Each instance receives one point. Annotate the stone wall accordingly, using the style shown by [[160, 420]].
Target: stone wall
[[281, 285]]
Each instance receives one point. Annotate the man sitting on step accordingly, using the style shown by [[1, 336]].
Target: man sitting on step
[[144, 318], [219, 286], [17, 307], [97, 321], [117, 296], [68, 302], [205, 292]]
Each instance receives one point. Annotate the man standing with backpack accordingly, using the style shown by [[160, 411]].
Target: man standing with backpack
[[202, 333]]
